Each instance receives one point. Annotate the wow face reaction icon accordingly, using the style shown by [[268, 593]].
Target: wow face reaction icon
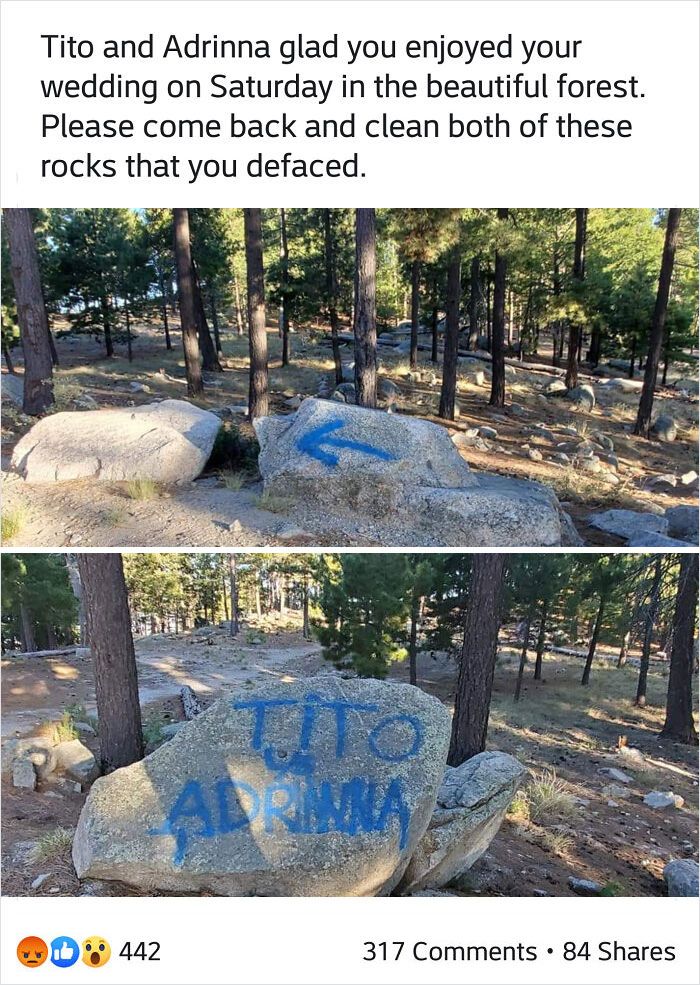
[[96, 952], [32, 951]]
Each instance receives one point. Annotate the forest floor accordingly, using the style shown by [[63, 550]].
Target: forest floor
[[229, 511], [590, 829]]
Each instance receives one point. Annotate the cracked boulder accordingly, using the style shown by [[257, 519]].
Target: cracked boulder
[[335, 463], [320, 787], [471, 805], [167, 442]]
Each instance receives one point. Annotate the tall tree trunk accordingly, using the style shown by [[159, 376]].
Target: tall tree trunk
[[365, 320], [210, 360], [258, 397], [106, 314], [284, 265], [215, 322], [540, 640], [523, 657], [129, 349], [52, 344], [8, 358], [595, 348], [679, 725], [498, 366], [413, 639], [579, 276], [114, 663], [332, 292], [239, 310], [646, 401], [434, 335], [185, 291], [306, 626], [594, 638], [482, 621], [415, 309], [450, 348], [649, 623], [31, 312], [473, 310], [624, 649], [233, 589], [164, 313], [27, 628], [77, 589]]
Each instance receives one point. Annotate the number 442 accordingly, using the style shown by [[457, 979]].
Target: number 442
[[130, 951]]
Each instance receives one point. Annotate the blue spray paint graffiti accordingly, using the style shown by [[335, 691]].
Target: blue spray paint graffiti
[[311, 444], [298, 802]]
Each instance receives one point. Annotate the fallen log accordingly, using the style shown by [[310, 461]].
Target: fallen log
[[65, 652]]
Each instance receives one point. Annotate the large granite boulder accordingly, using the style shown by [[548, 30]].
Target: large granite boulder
[[336, 463], [683, 523], [471, 805], [317, 788], [167, 442]]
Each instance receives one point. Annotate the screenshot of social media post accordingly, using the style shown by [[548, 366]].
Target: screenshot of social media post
[[349, 543]]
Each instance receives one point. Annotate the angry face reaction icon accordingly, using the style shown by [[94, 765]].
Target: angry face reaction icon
[[32, 951], [96, 952]]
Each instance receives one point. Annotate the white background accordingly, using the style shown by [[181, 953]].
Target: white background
[[656, 41], [319, 941], [309, 941]]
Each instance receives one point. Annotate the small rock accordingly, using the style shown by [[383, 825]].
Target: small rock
[[84, 728], [683, 523], [40, 880], [77, 761], [660, 800], [618, 775], [489, 433], [585, 887], [23, 774], [664, 428], [534, 455], [603, 440], [137, 387], [662, 482], [681, 877]]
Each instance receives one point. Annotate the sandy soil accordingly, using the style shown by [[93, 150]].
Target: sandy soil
[[207, 513], [557, 726]]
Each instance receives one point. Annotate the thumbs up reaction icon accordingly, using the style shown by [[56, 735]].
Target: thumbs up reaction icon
[[64, 952]]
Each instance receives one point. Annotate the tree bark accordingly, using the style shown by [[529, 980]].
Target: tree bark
[[258, 397], [413, 639], [624, 649], [481, 624], [434, 335], [306, 625], [594, 639], [215, 323], [523, 657], [332, 292], [415, 310], [579, 275], [450, 349], [8, 358], [540, 641], [239, 310], [185, 290], [498, 366], [77, 589], [649, 622], [112, 646], [473, 310], [365, 319], [233, 588], [27, 628], [646, 401], [31, 312], [210, 359], [679, 725], [284, 264], [164, 313], [129, 349]]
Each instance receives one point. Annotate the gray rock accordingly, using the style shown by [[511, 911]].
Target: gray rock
[[618, 775], [387, 390], [40, 880], [570, 536], [171, 729], [656, 540], [624, 385], [137, 387], [660, 800], [585, 887], [40, 751], [314, 788], [664, 428], [534, 455], [12, 389], [681, 877], [77, 761], [628, 523], [683, 523], [489, 433], [23, 774], [167, 442], [581, 397], [664, 482], [471, 805], [603, 440], [555, 388], [84, 728]]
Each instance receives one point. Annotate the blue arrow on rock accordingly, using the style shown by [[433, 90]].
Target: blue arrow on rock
[[313, 442]]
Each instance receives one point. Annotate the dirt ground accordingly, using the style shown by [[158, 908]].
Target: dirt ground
[[212, 512], [559, 730]]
